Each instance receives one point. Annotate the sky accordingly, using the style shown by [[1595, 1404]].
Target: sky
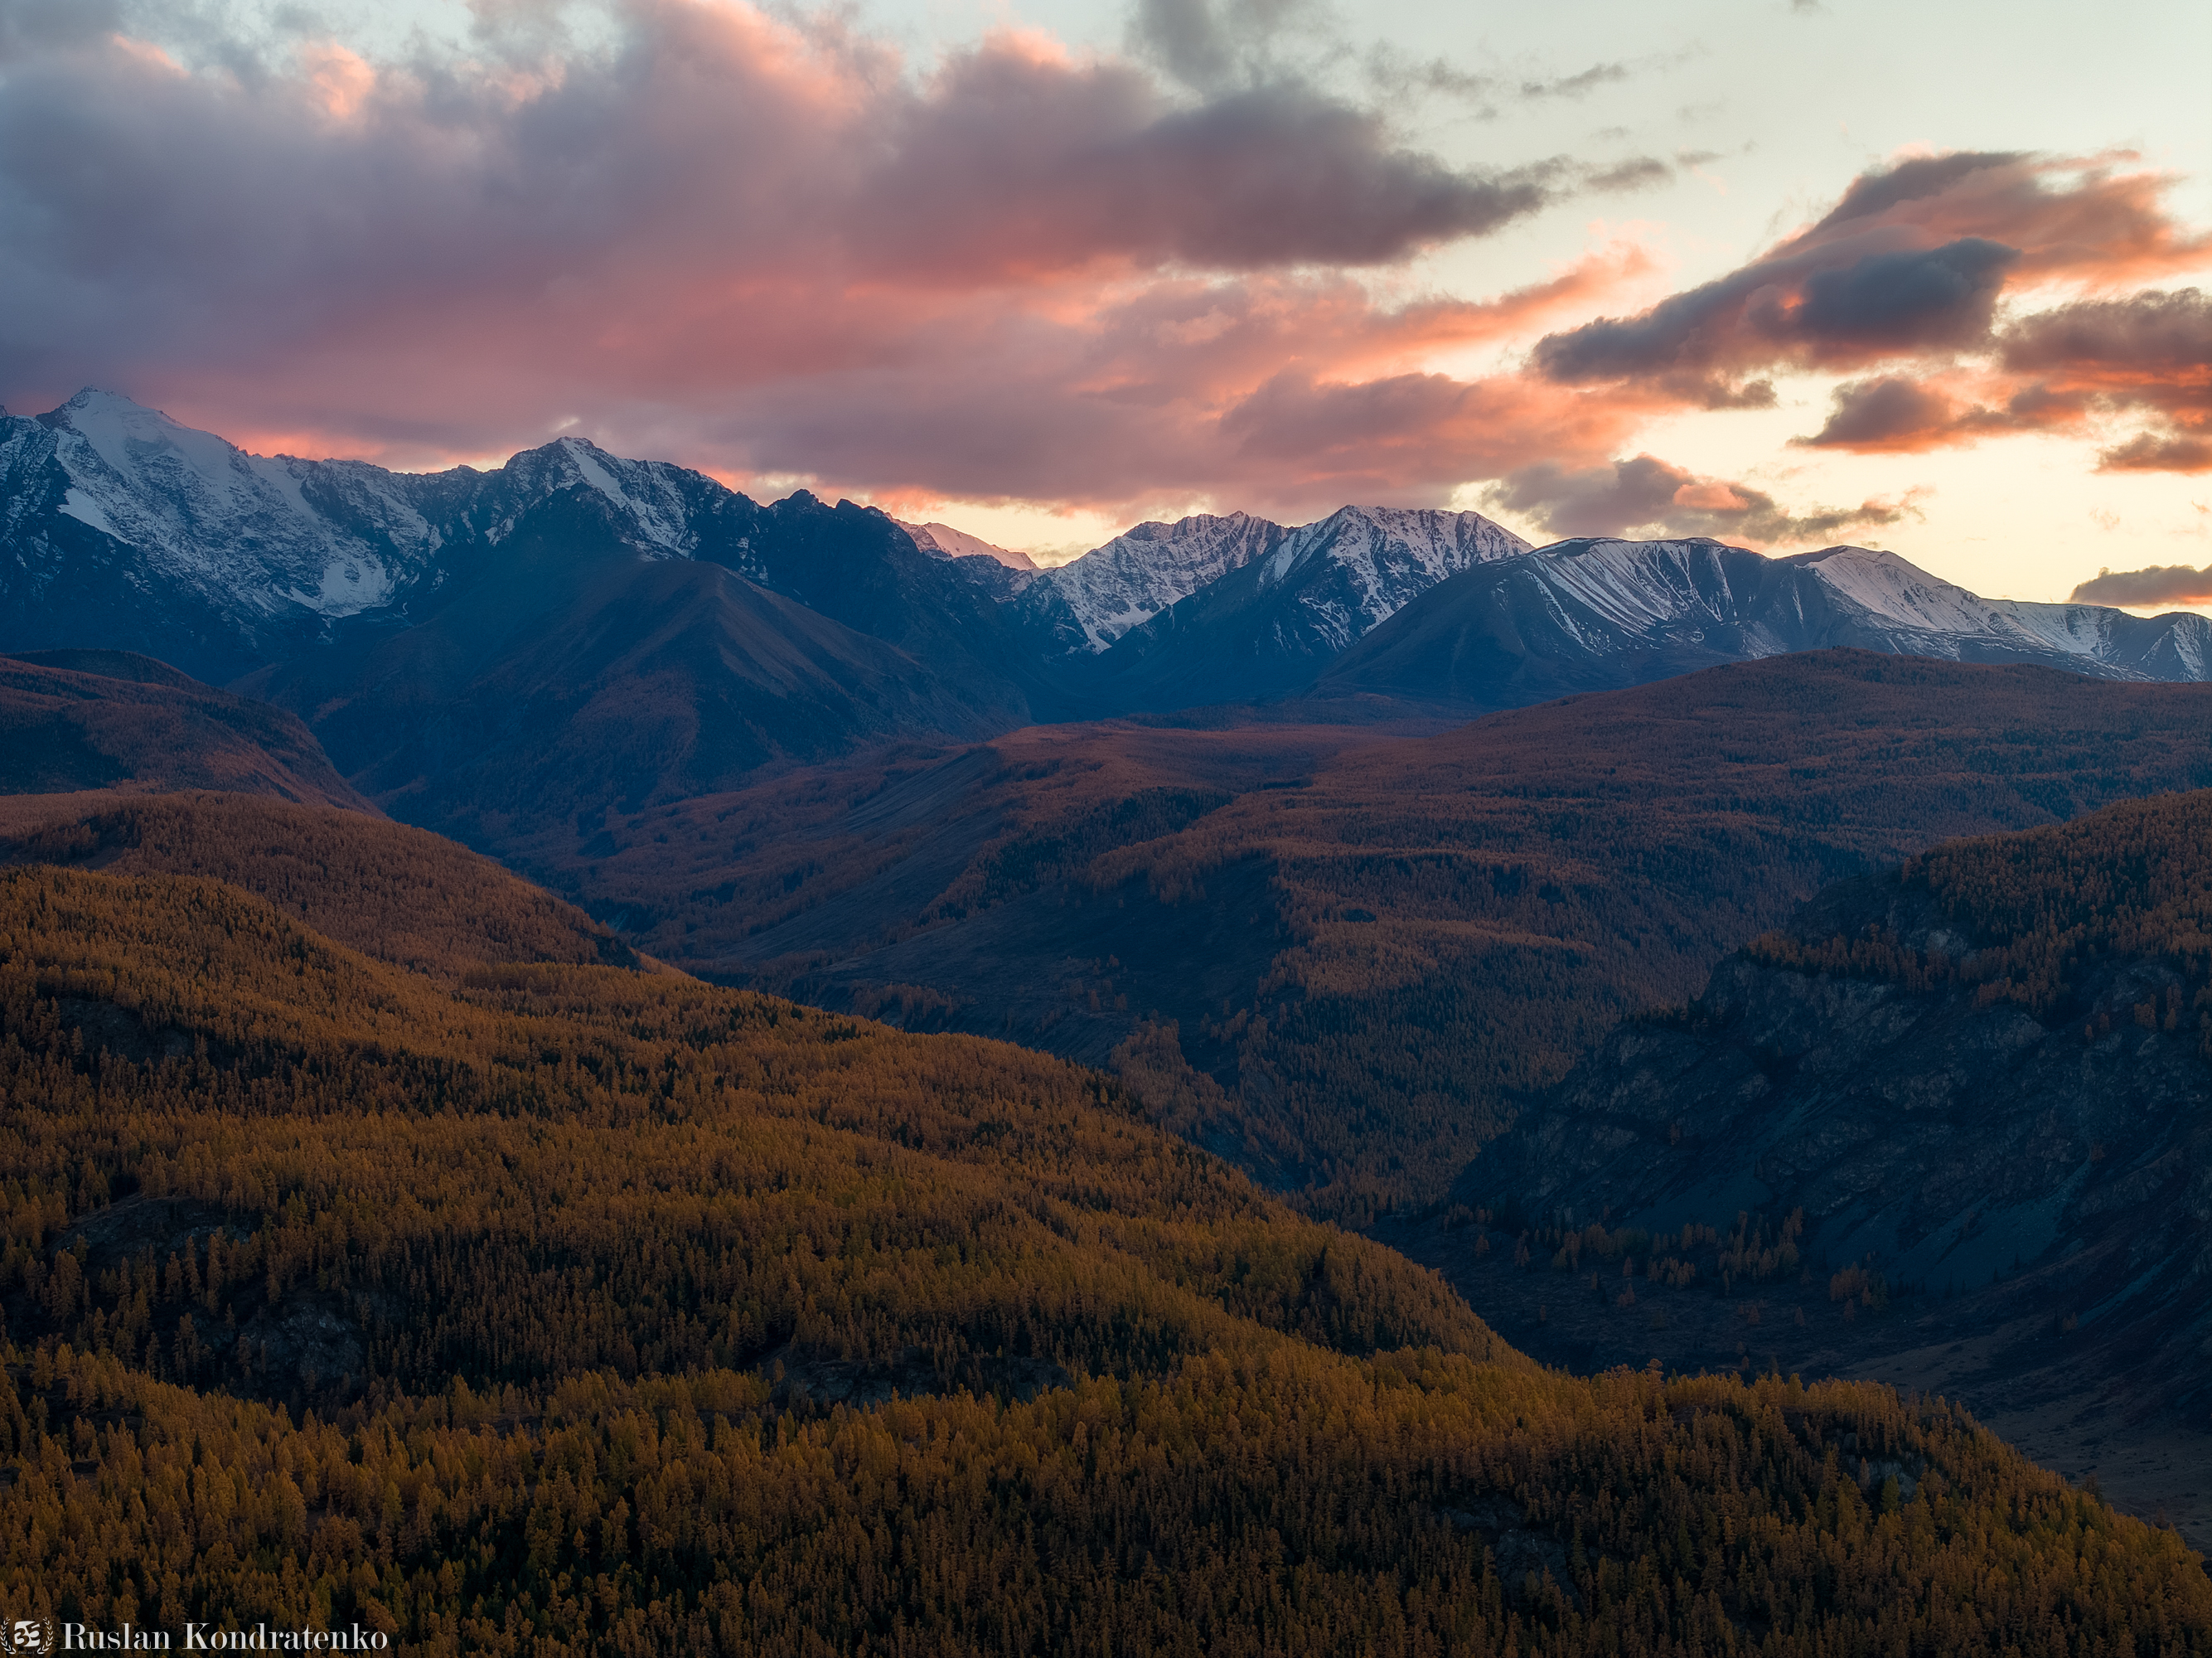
[[1785, 272]]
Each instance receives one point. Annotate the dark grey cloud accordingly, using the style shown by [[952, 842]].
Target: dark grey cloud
[[1918, 179], [1647, 495], [1816, 306], [1209, 45], [1873, 414], [2160, 584], [1903, 300], [33, 26], [2152, 452], [2150, 351], [151, 217], [1895, 414], [2153, 333], [1911, 263], [1637, 173], [992, 169]]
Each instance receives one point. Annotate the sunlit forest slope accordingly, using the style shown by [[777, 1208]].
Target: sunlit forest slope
[[552, 1307]]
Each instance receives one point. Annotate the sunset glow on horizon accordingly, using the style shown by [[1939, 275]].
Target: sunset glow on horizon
[[1040, 273]]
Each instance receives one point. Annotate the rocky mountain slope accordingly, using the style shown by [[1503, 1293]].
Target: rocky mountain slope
[[1086, 604], [566, 673], [1271, 625], [124, 528], [1596, 614], [121, 528], [1959, 1111]]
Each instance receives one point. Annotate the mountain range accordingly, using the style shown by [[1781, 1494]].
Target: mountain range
[[124, 529], [1590, 615]]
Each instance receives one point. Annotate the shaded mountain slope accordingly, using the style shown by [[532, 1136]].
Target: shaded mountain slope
[[1269, 922], [860, 568], [1981, 1083], [565, 1274], [567, 674], [1594, 615], [96, 719], [123, 528]]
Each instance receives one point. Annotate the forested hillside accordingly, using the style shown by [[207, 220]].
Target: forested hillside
[[1336, 957], [545, 1306], [73, 720], [402, 895]]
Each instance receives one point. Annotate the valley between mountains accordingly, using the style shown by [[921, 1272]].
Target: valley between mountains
[[563, 1024]]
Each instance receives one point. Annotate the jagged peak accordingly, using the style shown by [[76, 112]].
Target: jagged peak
[[944, 541], [95, 407], [1583, 546], [90, 398], [1851, 554]]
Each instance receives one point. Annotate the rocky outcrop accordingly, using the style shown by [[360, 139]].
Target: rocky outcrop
[[2027, 1199]]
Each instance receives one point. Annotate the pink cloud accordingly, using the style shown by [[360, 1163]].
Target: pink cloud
[[769, 249], [771, 253], [2147, 355]]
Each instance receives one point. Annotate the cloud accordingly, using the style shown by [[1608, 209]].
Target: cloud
[[29, 27], [2160, 584], [1911, 262], [774, 249], [1211, 44], [2166, 334], [1394, 77], [1637, 172], [1009, 166], [1647, 496], [2147, 452], [760, 248], [1579, 85], [1792, 311], [2055, 370], [1920, 179], [1889, 414], [1892, 415]]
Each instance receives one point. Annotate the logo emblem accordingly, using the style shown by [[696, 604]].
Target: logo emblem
[[27, 1636]]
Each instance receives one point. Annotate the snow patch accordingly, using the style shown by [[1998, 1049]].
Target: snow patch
[[86, 511]]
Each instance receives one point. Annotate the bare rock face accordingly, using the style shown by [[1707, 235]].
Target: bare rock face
[[1957, 1143], [1831, 1174]]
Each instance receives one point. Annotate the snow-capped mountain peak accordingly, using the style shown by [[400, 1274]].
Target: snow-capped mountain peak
[[1897, 590], [1090, 602], [1943, 619], [943, 541], [130, 437], [202, 511], [1358, 566], [649, 494]]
